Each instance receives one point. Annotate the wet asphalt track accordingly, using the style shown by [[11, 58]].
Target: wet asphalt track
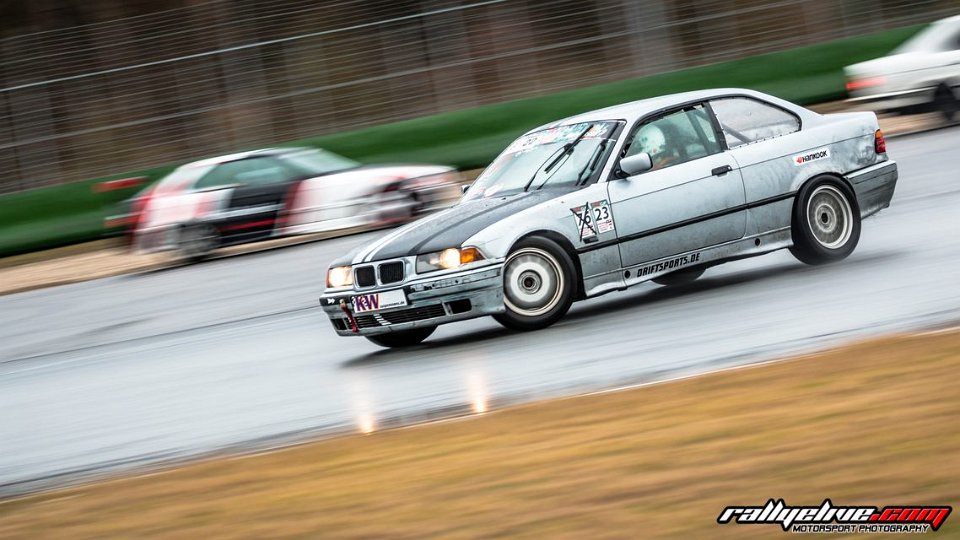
[[236, 354]]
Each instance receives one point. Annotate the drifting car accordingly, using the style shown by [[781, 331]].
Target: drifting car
[[659, 189], [922, 75], [268, 193]]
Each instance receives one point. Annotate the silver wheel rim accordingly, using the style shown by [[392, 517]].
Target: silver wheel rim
[[197, 240], [532, 282], [829, 217]]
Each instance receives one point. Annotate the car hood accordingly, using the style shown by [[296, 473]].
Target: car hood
[[449, 228]]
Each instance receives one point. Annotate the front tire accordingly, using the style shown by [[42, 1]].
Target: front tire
[[538, 284], [826, 222], [406, 338]]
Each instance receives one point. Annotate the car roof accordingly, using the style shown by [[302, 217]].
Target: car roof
[[951, 19], [635, 110], [220, 160]]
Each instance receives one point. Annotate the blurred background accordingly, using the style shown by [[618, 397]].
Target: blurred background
[[100, 99], [95, 87]]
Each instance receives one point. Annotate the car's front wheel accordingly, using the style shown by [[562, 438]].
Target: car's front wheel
[[826, 222], [406, 338], [538, 284]]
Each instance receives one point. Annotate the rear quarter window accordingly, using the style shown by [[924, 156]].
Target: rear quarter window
[[746, 120]]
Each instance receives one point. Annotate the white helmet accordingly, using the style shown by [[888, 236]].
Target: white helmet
[[651, 140]]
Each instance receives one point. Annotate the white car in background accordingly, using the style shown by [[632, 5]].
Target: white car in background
[[922, 75]]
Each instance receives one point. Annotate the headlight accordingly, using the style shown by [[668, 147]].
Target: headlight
[[340, 276], [447, 259]]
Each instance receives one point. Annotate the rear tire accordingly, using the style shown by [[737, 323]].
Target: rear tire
[[395, 207], [680, 277], [826, 222], [406, 338], [946, 103], [197, 241], [538, 284]]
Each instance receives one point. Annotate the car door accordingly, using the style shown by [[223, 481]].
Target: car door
[[258, 186], [759, 136], [693, 196]]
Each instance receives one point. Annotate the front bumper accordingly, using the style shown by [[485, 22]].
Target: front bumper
[[431, 301]]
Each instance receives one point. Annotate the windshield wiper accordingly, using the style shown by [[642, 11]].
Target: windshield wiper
[[592, 164], [567, 148]]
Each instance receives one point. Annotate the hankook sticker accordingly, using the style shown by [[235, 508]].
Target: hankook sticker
[[819, 153]]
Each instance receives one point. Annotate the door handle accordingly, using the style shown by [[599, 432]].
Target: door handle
[[720, 171]]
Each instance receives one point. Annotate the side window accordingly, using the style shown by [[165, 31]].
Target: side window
[[252, 172], [746, 120], [676, 138]]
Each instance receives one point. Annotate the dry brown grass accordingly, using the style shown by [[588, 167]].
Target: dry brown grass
[[874, 423]]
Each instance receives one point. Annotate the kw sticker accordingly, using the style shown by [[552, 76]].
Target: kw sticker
[[593, 219], [819, 153]]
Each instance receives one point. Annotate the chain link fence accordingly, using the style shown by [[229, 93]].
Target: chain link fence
[[225, 75]]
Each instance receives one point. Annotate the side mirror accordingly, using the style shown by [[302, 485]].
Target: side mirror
[[636, 164], [464, 188]]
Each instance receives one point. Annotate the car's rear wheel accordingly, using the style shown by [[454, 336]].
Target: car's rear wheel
[[406, 338], [946, 102], [680, 277], [197, 241], [398, 206], [826, 222], [538, 284]]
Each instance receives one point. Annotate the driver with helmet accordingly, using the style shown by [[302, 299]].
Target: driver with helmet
[[651, 139]]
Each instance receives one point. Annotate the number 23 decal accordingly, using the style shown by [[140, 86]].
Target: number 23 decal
[[601, 213]]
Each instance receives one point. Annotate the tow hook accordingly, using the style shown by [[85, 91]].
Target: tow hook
[[353, 321]]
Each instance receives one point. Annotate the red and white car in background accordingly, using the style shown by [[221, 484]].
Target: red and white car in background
[[268, 193]]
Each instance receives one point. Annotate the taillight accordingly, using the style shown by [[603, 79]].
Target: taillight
[[879, 143], [139, 207], [869, 82], [121, 183], [138, 210], [291, 204]]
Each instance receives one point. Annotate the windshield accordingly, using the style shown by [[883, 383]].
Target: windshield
[[319, 162], [567, 155], [183, 177]]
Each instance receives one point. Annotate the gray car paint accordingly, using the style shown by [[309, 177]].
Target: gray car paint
[[669, 218]]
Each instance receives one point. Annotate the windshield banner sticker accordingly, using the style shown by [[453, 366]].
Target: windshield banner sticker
[[559, 134], [593, 218]]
